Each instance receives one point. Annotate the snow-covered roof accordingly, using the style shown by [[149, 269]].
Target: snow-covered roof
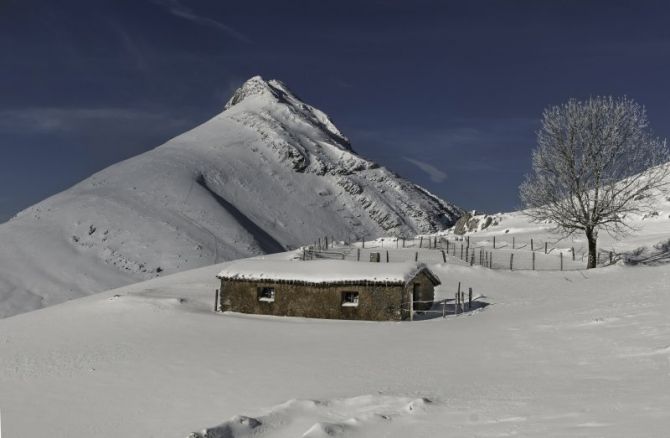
[[324, 272]]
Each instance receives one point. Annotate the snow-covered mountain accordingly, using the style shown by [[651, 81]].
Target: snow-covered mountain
[[268, 173]]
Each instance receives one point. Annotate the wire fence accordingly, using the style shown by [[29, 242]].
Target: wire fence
[[381, 256], [493, 252], [461, 303], [516, 260]]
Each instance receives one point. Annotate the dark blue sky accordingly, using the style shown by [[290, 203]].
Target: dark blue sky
[[458, 86]]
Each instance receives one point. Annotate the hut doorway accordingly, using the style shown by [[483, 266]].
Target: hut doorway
[[420, 299]]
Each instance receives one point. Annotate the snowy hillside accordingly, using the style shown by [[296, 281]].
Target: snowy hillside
[[269, 173], [648, 234], [556, 354]]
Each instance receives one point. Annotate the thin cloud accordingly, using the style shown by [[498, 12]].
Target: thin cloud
[[131, 47], [181, 11], [435, 174], [69, 119]]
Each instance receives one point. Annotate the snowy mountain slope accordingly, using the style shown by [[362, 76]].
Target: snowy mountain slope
[[268, 173], [557, 354]]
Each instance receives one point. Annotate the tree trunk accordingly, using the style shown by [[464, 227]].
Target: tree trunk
[[591, 237]]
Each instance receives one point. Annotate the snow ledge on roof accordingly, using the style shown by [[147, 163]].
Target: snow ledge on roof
[[324, 271]]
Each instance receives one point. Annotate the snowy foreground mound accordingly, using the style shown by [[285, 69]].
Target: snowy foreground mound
[[556, 354], [267, 174], [370, 415]]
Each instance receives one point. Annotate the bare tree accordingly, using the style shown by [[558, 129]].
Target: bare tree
[[596, 162]]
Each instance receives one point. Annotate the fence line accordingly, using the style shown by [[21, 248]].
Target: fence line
[[491, 252]]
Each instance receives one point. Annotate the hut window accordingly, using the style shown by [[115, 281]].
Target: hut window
[[266, 294], [350, 299]]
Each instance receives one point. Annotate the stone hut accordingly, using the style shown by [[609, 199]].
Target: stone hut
[[330, 289]]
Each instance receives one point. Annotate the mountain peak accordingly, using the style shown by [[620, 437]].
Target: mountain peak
[[257, 86], [276, 92]]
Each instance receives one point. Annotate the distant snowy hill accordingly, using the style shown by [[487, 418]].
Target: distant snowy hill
[[268, 173], [648, 228]]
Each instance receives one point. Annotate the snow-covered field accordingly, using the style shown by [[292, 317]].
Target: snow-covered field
[[555, 354]]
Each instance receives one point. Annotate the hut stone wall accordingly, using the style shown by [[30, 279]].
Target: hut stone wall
[[375, 302]]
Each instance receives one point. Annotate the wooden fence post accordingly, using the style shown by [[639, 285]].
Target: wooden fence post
[[411, 306], [358, 254], [561, 260], [326, 240], [511, 261], [533, 260], [469, 298], [416, 256], [531, 245], [458, 297], [444, 257], [461, 252], [545, 247], [573, 253], [216, 300], [494, 242], [467, 253], [447, 245], [421, 242], [403, 242], [387, 256], [304, 254], [513, 242], [598, 260], [611, 256], [472, 258]]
